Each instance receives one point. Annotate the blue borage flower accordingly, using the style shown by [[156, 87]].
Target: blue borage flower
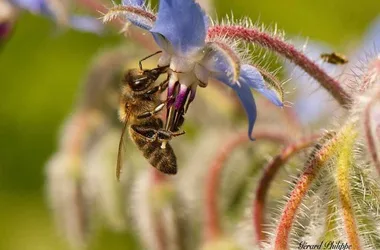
[[180, 30], [59, 12]]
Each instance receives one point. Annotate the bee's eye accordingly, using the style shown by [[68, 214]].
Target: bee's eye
[[140, 83], [137, 81]]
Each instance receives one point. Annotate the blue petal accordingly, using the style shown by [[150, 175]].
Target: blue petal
[[86, 23], [221, 58], [139, 3], [251, 77], [35, 6], [246, 98], [182, 23]]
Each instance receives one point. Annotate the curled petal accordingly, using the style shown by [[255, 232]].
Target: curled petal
[[86, 23], [251, 77], [246, 99], [249, 105], [182, 23], [222, 59], [137, 15]]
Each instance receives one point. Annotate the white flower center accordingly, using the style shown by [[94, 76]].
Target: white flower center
[[187, 71]]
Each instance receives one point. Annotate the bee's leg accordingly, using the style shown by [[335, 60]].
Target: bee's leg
[[161, 88], [164, 135], [156, 110], [148, 114], [147, 134], [151, 134]]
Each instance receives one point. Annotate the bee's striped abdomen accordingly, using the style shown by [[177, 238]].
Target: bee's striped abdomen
[[163, 159]]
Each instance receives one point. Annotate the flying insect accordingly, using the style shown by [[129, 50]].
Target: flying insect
[[334, 58]]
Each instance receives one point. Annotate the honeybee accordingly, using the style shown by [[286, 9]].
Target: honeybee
[[139, 105], [334, 58]]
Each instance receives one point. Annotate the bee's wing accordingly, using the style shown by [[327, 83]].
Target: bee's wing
[[121, 150]]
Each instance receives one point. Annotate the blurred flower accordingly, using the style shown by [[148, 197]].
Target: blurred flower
[[7, 18], [80, 174], [180, 30], [58, 11], [5, 29], [370, 42]]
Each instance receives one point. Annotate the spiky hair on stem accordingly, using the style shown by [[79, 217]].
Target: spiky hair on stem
[[122, 11], [364, 73], [319, 159], [244, 49], [365, 111], [368, 117], [247, 22], [366, 195]]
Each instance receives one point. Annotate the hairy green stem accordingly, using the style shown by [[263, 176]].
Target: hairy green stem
[[318, 160]]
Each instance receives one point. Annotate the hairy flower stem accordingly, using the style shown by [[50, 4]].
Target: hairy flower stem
[[213, 228], [331, 225], [345, 161], [369, 134], [73, 144], [370, 77], [270, 172], [288, 51], [322, 154]]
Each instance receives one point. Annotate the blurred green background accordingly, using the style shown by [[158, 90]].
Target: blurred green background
[[40, 73]]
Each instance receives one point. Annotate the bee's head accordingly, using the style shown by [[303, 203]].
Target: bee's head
[[137, 80]]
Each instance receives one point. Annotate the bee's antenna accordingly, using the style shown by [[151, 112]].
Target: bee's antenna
[[140, 62]]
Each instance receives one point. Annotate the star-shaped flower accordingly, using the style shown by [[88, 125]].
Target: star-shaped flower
[[180, 30]]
